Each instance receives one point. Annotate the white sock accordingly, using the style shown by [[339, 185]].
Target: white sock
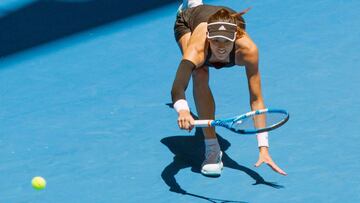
[[212, 145], [212, 151], [191, 3], [194, 3]]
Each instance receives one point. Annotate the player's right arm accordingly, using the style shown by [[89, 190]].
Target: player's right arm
[[193, 57]]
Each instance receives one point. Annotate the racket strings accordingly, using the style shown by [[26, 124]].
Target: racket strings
[[259, 121]]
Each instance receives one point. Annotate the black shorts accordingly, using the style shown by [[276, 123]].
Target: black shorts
[[181, 26], [187, 20]]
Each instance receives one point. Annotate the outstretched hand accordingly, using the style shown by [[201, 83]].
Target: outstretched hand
[[264, 157]]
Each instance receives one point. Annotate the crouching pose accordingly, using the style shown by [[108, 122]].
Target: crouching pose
[[214, 36]]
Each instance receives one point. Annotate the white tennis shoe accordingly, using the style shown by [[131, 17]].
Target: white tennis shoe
[[212, 164]]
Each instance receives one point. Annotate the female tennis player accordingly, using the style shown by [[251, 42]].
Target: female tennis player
[[214, 36]]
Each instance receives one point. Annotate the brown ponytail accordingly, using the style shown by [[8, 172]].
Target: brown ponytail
[[224, 15]]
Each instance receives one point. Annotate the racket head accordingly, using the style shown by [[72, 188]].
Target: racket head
[[258, 121]]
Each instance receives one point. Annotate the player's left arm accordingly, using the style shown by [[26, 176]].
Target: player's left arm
[[247, 55]]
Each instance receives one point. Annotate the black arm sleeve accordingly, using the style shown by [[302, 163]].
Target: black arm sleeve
[[182, 78]]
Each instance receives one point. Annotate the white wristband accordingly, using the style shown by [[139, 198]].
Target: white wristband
[[263, 140], [181, 104]]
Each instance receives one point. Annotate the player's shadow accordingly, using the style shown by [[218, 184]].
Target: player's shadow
[[189, 152]]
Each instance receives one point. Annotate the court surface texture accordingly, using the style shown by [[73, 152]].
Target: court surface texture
[[86, 105]]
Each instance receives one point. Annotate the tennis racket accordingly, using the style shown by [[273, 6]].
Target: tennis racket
[[258, 121]]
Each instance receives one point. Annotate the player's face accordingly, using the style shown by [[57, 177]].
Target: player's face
[[221, 47]]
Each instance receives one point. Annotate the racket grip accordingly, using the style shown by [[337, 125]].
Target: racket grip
[[203, 123]]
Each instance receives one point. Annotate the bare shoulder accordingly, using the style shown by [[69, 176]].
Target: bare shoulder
[[245, 44], [246, 50]]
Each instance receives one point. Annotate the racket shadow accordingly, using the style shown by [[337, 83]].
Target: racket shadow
[[189, 153]]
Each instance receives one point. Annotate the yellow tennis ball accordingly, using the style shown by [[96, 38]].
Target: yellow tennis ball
[[38, 183]]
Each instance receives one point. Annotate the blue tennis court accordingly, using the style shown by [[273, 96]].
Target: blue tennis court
[[85, 105]]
